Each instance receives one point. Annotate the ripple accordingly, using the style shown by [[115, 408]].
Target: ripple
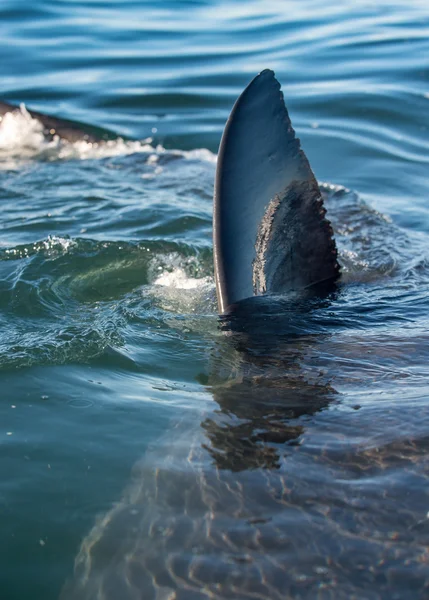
[[107, 297]]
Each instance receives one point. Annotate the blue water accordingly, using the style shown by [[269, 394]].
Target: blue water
[[109, 331]]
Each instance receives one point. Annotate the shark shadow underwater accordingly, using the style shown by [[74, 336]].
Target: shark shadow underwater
[[269, 495]]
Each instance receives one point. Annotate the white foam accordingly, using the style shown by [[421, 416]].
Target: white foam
[[18, 130], [201, 154], [52, 246], [179, 280], [180, 285], [22, 139]]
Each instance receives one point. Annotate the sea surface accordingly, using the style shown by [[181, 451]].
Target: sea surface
[[315, 420]]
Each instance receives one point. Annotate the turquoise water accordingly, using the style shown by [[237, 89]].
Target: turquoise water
[[110, 335]]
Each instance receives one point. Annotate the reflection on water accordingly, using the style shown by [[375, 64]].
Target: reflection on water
[[262, 400]]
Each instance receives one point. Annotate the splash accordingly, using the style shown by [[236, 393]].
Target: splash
[[181, 285], [19, 131], [22, 140], [179, 280]]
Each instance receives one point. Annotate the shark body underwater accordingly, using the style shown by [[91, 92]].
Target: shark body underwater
[[231, 507]]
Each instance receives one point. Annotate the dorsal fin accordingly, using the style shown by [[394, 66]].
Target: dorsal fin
[[269, 228]]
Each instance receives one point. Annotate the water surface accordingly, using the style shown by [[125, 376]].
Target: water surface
[[110, 339]]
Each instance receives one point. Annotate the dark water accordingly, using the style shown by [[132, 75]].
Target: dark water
[[316, 416]]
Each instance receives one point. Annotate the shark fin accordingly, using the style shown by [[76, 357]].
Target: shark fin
[[269, 227]]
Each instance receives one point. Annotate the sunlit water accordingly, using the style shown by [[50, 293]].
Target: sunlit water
[[313, 419]]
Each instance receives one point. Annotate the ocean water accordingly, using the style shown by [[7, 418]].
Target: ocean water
[[144, 453]]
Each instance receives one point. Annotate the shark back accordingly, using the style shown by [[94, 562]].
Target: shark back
[[63, 128]]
